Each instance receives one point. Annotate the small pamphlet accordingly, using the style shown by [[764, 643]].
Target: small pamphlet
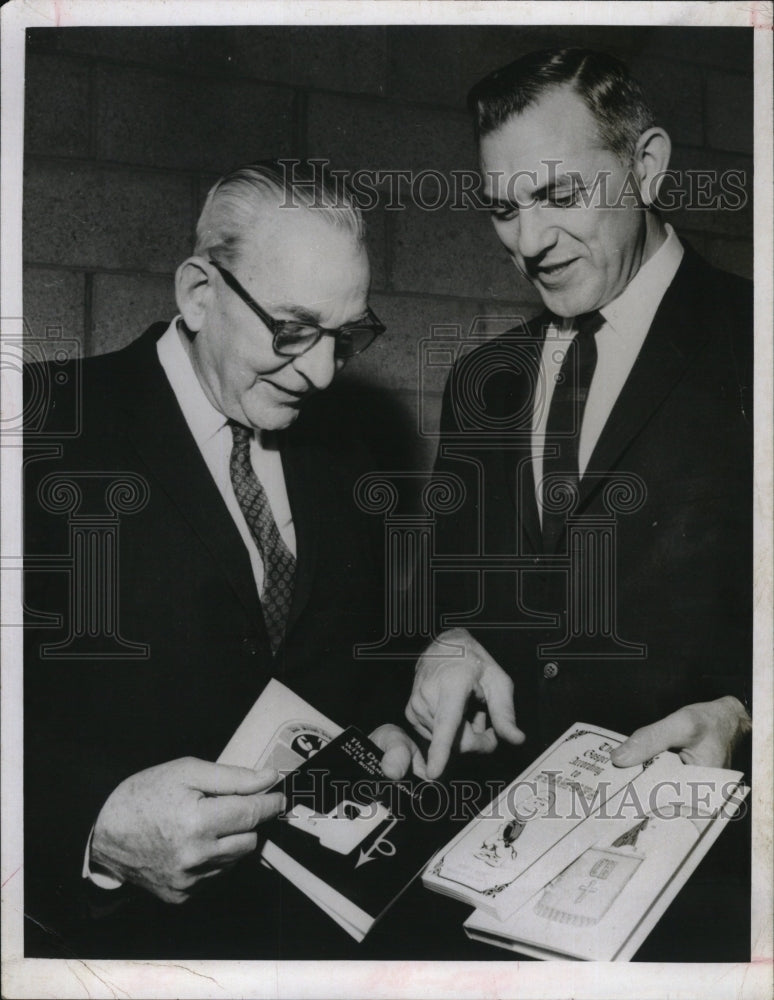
[[351, 839]]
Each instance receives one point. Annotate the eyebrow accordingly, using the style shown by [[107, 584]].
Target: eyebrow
[[539, 194], [299, 312], [309, 316]]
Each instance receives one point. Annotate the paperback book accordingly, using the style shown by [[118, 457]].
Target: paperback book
[[281, 731], [349, 838]]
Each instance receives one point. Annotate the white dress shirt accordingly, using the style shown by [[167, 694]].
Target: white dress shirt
[[627, 320], [213, 437]]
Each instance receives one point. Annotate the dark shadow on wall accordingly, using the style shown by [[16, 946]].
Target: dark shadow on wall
[[386, 425]]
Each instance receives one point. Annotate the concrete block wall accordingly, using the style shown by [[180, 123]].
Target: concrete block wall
[[127, 127]]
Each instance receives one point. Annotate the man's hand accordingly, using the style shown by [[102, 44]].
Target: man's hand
[[167, 828], [442, 687], [400, 752], [705, 734]]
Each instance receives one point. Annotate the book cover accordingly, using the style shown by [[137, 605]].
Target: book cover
[[544, 804], [603, 891], [281, 730], [351, 839]]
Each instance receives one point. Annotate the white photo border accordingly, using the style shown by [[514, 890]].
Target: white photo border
[[74, 978]]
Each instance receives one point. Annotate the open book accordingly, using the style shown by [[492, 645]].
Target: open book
[[579, 859]]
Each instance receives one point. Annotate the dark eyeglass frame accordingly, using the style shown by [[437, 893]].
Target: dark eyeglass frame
[[278, 327]]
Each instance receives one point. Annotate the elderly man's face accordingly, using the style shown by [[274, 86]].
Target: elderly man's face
[[298, 267], [578, 256]]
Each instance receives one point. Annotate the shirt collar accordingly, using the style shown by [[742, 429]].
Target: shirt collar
[[633, 310], [204, 421]]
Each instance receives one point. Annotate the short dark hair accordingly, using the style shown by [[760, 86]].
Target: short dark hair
[[609, 91]]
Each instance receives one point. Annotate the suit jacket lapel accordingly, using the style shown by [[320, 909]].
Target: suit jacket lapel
[[158, 430], [298, 464], [669, 348], [517, 463]]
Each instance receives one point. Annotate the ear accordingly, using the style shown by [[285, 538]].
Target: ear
[[193, 290], [650, 161]]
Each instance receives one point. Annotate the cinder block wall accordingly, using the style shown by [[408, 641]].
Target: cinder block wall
[[126, 128]]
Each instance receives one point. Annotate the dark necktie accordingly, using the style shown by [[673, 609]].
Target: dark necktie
[[565, 418], [279, 564]]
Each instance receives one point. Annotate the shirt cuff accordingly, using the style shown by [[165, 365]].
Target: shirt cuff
[[100, 879]]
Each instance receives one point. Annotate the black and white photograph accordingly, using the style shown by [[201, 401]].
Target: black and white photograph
[[386, 499]]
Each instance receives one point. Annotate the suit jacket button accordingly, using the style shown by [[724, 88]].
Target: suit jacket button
[[550, 670]]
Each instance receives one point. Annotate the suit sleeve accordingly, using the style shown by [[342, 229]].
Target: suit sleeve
[[66, 778]]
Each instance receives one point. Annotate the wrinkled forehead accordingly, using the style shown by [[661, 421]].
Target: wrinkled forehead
[[556, 137], [300, 257]]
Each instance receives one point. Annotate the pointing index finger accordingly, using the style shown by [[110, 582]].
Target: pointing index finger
[[497, 688], [448, 719]]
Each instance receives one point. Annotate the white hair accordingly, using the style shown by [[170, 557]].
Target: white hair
[[235, 204]]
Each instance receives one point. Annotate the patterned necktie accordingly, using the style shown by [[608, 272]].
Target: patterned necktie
[[279, 564], [565, 418]]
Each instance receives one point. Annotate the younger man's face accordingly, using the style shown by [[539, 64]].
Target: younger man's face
[[578, 256]]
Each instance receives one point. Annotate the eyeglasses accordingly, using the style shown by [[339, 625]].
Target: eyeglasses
[[293, 338]]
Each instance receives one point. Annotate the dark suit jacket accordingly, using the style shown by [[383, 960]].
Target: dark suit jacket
[[681, 434], [186, 590]]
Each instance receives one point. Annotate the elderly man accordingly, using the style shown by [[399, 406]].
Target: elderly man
[[246, 558], [636, 379]]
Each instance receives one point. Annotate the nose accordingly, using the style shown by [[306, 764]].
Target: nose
[[318, 365], [535, 232]]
